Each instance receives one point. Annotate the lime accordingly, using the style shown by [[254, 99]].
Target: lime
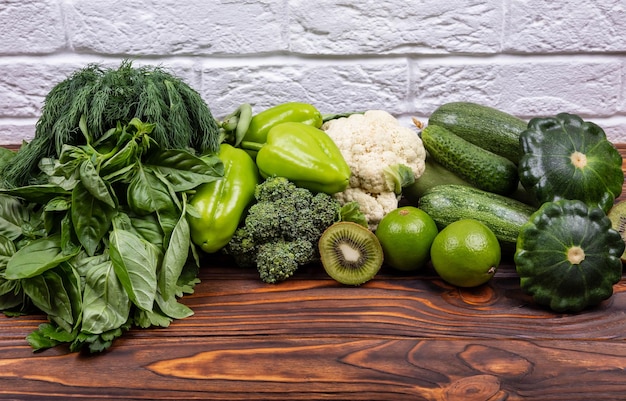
[[405, 235], [466, 253]]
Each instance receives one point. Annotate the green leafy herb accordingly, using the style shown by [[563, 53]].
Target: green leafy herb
[[103, 243]]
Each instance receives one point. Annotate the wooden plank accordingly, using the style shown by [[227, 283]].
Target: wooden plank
[[339, 368]]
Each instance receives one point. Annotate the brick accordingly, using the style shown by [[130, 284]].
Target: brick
[[332, 88], [574, 26], [24, 86], [395, 27], [525, 88], [15, 134], [31, 27], [176, 28]]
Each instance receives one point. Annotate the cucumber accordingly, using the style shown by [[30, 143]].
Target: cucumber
[[435, 174], [504, 216], [479, 167], [487, 127]]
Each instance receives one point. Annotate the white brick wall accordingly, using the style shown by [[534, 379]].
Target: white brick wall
[[526, 57]]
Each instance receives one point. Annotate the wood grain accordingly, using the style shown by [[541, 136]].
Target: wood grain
[[398, 337]]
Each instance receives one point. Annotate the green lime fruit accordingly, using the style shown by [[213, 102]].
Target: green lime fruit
[[466, 253], [406, 235]]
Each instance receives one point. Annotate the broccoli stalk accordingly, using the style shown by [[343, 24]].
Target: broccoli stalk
[[282, 228]]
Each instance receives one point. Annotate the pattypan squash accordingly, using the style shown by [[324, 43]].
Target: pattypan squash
[[564, 157], [568, 256]]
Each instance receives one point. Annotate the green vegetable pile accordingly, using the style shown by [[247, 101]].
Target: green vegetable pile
[[104, 244], [106, 214]]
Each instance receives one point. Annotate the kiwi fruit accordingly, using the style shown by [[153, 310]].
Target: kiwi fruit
[[617, 215], [350, 253]]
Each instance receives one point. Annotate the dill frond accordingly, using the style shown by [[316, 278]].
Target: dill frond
[[178, 116], [202, 122]]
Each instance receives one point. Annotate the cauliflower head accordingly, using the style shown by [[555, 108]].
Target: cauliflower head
[[383, 156]]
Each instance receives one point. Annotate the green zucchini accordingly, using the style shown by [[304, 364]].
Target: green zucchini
[[504, 216], [487, 127], [479, 167]]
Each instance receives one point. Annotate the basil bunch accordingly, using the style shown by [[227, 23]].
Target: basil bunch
[[101, 243]]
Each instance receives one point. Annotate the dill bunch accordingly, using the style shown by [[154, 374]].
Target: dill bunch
[[107, 96]]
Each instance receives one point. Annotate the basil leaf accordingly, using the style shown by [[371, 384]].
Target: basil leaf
[[147, 194], [106, 305], [125, 174], [127, 156], [69, 242], [91, 218], [11, 294], [135, 262], [148, 228], [96, 186], [172, 308], [58, 204], [38, 340], [36, 257], [175, 258], [69, 160], [41, 193], [184, 170], [72, 283], [12, 215], [145, 319], [7, 248], [55, 333], [83, 264], [48, 293], [168, 221]]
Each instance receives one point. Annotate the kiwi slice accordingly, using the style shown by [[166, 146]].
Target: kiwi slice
[[617, 215], [350, 253]]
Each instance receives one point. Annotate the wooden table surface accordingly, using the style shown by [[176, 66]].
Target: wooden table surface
[[400, 336]]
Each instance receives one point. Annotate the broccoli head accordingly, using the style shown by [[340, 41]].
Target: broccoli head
[[281, 229]]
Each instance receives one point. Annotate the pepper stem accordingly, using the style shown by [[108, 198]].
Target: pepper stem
[[248, 145]]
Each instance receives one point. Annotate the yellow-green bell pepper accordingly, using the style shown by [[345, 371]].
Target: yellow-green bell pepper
[[261, 123], [305, 155], [220, 204]]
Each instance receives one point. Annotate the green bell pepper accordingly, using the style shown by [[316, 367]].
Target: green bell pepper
[[305, 155], [261, 123], [220, 204]]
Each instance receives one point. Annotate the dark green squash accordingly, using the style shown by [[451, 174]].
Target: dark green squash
[[568, 256], [564, 157]]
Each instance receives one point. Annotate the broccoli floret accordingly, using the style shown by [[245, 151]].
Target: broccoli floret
[[279, 260], [325, 210], [273, 189], [282, 228], [263, 221], [243, 248]]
